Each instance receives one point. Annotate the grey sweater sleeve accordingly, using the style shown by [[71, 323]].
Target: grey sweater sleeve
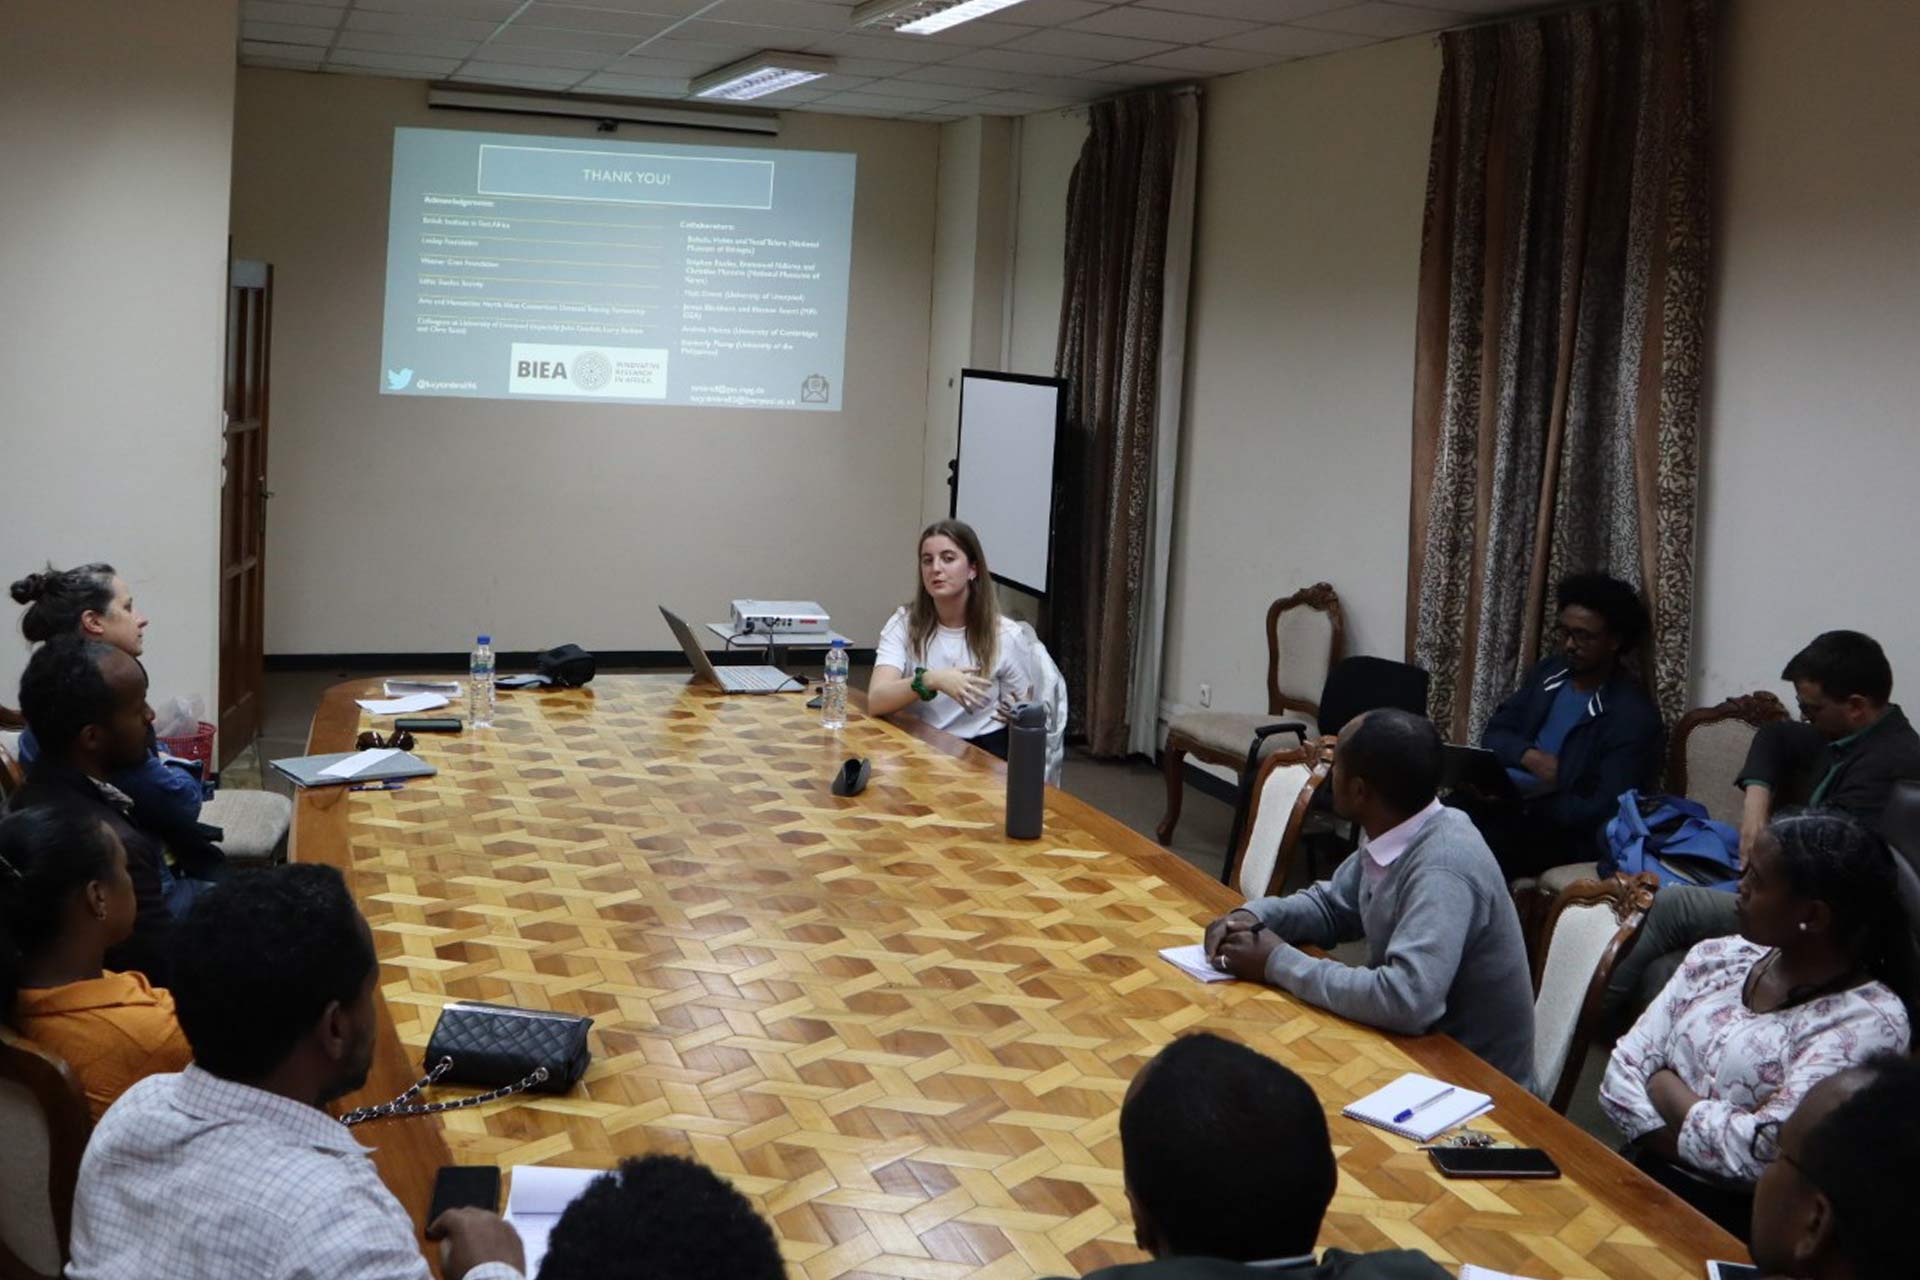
[[1407, 991], [1321, 915]]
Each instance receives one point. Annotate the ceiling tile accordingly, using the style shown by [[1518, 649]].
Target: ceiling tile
[[526, 77], [1084, 44], [636, 86], [874, 68], [966, 77], [1023, 101], [672, 68], [1040, 64], [925, 91], [1251, 10], [1158, 24], [611, 43], [283, 33], [477, 10], [889, 46], [365, 60], [872, 102], [1133, 73], [573, 17], [1202, 60], [1048, 13], [558, 59], [700, 53], [1387, 21], [382, 42], [420, 24], [1295, 42], [750, 34], [784, 13], [261, 51]]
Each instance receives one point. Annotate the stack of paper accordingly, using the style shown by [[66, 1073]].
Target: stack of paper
[[403, 706], [537, 1198], [399, 688], [1193, 962], [1471, 1272]]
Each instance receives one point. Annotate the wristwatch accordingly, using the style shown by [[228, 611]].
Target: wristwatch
[[920, 685]]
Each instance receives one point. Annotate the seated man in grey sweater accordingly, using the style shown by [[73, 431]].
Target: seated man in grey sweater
[[1444, 951], [1229, 1170]]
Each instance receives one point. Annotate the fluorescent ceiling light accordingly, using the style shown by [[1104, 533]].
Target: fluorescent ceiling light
[[627, 112], [760, 75], [924, 17]]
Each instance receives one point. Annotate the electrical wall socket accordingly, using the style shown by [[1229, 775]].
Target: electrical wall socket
[[1206, 695]]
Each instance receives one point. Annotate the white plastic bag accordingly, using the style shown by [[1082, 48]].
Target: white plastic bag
[[179, 717]]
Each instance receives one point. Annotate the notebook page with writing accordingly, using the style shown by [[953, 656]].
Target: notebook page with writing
[[1437, 1107]]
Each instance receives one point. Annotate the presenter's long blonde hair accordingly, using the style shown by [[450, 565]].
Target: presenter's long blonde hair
[[983, 609]]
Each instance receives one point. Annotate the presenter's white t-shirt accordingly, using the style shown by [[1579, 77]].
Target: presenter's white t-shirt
[[947, 647]]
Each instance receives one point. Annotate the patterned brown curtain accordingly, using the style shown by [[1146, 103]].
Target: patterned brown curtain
[[1109, 352], [1559, 344]]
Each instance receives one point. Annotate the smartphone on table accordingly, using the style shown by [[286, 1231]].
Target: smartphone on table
[[1493, 1162]]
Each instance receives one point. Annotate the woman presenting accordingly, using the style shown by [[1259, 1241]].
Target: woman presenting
[[951, 655]]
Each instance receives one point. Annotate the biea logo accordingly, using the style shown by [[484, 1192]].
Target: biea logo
[[591, 370]]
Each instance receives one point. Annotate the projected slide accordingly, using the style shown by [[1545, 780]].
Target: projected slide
[[535, 268]]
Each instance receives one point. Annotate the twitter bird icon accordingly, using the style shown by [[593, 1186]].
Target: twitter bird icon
[[399, 379]]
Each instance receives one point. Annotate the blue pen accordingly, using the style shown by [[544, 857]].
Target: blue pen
[[1416, 1109]]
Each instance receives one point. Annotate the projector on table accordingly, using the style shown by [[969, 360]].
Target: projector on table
[[778, 617]]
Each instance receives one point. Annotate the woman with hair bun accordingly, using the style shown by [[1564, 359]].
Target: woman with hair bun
[[95, 602]]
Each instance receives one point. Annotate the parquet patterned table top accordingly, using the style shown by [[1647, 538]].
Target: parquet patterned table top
[[903, 1035]]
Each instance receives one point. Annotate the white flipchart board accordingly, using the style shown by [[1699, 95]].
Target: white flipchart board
[[1004, 474]]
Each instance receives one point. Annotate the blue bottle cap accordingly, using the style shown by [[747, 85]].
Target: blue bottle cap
[[839, 644], [484, 640]]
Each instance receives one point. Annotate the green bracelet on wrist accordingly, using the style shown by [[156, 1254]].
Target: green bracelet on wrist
[[920, 685]]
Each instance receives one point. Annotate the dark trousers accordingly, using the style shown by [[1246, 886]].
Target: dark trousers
[[995, 742], [1523, 840], [1682, 915]]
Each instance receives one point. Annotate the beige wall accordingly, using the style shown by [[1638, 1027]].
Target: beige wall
[[406, 524], [1049, 147], [116, 132], [1297, 441], [1813, 371]]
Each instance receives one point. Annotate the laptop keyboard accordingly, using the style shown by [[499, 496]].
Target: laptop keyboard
[[755, 678]]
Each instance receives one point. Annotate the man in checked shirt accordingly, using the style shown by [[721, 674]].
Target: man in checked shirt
[[231, 1167]]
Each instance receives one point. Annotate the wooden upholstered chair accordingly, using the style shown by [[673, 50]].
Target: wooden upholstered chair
[[44, 1115], [1704, 756], [1283, 794], [1590, 927], [12, 720], [11, 777], [1306, 635]]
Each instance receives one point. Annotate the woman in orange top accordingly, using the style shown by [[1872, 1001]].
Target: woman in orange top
[[65, 897]]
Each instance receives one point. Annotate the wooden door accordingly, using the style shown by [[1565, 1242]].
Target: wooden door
[[243, 506]]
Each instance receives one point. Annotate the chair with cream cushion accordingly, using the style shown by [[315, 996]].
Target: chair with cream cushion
[[1050, 690], [1282, 795], [1592, 924], [1704, 756], [253, 825], [1306, 635], [44, 1117]]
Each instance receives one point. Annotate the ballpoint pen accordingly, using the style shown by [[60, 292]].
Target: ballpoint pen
[[1417, 1108]]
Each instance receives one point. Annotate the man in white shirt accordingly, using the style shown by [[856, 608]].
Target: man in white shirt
[[231, 1167]]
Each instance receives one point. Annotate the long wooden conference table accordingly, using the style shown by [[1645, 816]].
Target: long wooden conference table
[[904, 1035]]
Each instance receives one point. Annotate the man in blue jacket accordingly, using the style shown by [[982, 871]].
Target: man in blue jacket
[[1579, 731]]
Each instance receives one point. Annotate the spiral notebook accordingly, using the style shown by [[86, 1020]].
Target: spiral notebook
[[1436, 1106]]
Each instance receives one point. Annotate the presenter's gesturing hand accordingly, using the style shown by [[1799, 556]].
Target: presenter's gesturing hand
[[965, 685]]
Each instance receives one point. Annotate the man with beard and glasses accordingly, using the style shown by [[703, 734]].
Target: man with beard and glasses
[[231, 1167]]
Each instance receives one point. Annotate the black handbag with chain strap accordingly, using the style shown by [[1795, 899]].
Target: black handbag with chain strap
[[496, 1044]]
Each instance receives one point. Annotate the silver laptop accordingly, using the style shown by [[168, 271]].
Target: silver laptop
[[727, 679]]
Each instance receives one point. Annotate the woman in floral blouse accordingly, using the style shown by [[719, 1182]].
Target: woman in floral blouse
[[1750, 1023]]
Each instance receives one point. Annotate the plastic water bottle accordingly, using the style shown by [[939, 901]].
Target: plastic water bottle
[[833, 689], [480, 684]]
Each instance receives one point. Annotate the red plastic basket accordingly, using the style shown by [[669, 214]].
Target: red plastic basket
[[197, 745]]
